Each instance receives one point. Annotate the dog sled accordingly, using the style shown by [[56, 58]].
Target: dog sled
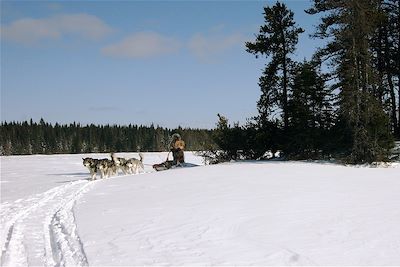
[[176, 146], [172, 164], [167, 165]]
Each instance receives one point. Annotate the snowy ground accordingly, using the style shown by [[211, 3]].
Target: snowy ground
[[253, 213]]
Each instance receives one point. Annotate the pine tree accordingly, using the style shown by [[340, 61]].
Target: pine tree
[[350, 26], [385, 51], [310, 113], [229, 139], [276, 41]]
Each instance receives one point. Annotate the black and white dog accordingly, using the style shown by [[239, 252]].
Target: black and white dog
[[106, 167], [128, 166], [133, 165]]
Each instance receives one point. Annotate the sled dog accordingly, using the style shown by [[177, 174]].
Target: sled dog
[[133, 165], [107, 168], [92, 165], [119, 162]]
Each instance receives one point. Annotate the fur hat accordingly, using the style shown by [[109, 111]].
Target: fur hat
[[176, 136]]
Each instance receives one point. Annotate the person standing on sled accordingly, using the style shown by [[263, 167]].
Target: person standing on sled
[[176, 146]]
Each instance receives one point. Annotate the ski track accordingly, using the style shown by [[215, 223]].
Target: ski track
[[41, 230]]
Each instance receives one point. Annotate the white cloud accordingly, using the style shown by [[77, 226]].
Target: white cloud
[[29, 30], [151, 44], [143, 45], [207, 47]]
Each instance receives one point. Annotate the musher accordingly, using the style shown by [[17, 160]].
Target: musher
[[176, 146]]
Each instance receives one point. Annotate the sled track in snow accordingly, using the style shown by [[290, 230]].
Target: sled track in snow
[[41, 230]]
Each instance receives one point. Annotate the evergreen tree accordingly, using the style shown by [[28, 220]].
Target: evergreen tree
[[350, 26], [262, 135], [386, 59], [222, 137], [276, 40], [310, 113]]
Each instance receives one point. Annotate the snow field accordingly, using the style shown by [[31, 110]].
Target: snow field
[[245, 214], [36, 231], [248, 213], [37, 223]]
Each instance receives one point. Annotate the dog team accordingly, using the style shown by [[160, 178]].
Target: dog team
[[108, 167]]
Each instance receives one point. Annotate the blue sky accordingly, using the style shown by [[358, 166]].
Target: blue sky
[[120, 62]]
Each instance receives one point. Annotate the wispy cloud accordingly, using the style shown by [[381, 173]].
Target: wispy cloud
[[207, 47], [31, 31], [143, 45], [151, 44]]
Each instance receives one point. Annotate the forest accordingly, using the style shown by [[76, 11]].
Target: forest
[[25, 138]]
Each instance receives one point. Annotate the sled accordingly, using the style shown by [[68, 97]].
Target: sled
[[169, 165], [163, 166]]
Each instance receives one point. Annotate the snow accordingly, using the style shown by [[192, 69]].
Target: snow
[[244, 213]]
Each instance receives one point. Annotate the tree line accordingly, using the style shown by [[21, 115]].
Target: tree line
[[25, 138], [343, 103]]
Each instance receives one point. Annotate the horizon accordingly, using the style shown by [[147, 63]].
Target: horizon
[[142, 63]]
